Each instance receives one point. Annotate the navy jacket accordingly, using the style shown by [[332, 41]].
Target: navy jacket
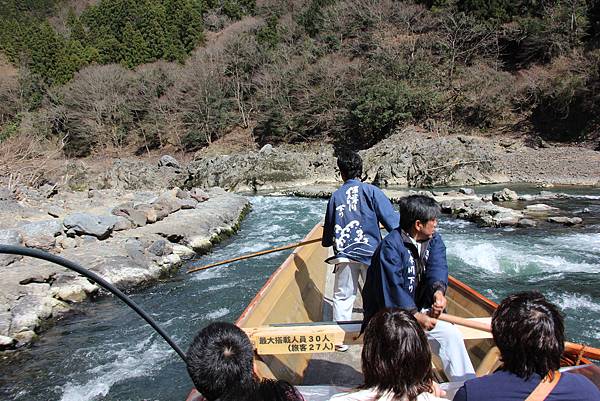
[[352, 220], [505, 386], [394, 279]]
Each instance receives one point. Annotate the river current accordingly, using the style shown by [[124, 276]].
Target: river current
[[104, 351]]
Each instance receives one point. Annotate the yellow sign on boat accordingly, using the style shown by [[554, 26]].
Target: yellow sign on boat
[[297, 343]]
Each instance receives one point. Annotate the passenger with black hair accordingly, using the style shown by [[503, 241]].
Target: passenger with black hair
[[396, 361], [220, 363], [529, 332], [351, 226], [409, 271]]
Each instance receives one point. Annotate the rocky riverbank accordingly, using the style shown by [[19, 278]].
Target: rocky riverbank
[[129, 238], [464, 203]]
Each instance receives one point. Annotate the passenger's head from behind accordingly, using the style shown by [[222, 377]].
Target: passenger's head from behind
[[350, 164], [418, 216], [396, 355], [529, 331], [220, 361]]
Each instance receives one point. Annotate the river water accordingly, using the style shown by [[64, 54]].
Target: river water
[[104, 351]]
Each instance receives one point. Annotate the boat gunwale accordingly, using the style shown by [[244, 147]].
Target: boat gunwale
[[289, 260]]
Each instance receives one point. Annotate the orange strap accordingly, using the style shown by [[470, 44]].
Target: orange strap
[[545, 387]]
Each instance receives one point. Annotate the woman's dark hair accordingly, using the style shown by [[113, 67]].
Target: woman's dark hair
[[349, 163], [417, 207], [530, 333], [277, 390], [396, 355], [220, 361]]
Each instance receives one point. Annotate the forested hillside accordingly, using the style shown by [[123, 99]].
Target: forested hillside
[[136, 75]]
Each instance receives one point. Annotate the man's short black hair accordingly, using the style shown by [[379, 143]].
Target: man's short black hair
[[220, 361], [350, 164], [530, 333], [417, 207]]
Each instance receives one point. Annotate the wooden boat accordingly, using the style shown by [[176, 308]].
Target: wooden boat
[[292, 302]]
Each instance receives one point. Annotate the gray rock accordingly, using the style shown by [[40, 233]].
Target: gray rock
[[506, 219], [7, 343], [40, 234], [66, 242], [540, 207], [168, 201], [88, 240], [266, 150], [189, 203], [199, 195], [10, 237], [25, 337], [505, 195], [467, 191], [181, 194], [56, 211], [527, 223], [568, 221], [149, 213], [168, 161], [160, 248], [123, 224], [71, 288], [136, 217], [89, 224], [161, 210]]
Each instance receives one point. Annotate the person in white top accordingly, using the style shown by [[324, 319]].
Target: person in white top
[[396, 361]]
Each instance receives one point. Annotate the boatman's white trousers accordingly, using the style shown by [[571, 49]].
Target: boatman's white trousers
[[447, 342], [345, 288]]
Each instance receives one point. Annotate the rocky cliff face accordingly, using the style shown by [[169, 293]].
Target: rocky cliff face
[[407, 158]]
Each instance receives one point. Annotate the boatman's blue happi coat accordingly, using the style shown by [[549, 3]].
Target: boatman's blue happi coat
[[399, 278], [352, 220]]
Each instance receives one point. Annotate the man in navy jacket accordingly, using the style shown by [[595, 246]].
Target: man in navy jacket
[[351, 226], [409, 270]]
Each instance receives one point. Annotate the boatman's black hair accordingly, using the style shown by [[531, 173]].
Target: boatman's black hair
[[530, 333], [417, 207], [220, 362], [350, 164]]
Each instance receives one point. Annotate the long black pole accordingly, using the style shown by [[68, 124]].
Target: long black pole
[[36, 253]]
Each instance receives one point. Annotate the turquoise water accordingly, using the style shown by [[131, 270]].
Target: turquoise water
[[103, 351]]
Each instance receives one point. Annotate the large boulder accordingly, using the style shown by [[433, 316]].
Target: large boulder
[[169, 161], [567, 221], [41, 234], [89, 224], [505, 195]]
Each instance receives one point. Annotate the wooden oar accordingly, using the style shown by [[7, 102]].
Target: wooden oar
[[587, 351], [252, 255]]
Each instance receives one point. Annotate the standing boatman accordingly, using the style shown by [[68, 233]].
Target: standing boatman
[[351, 226]]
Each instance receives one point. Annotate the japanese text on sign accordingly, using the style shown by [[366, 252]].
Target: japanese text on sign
[[295, 344]]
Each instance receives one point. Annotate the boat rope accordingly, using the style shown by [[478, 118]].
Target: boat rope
[[36, 253]]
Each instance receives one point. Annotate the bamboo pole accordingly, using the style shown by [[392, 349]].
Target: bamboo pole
[[252, 255]]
